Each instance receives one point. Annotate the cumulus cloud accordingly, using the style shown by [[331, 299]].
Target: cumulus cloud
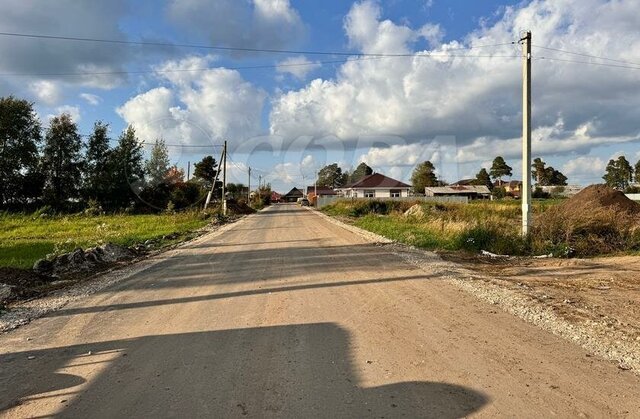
[[241, 23], [584, 166], [299, 67], [196, 107], [477, 99], [73, 111], [46, 91]]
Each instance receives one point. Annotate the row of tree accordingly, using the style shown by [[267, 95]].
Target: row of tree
[[55, 167]]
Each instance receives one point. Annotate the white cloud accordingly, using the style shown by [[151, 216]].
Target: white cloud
[[478, 100], [584, 167], [91, 99], [73, 111], [298, 67], [197, 107], [46, 91]]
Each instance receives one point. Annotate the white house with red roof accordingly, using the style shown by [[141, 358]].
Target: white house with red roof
[[375, 186]]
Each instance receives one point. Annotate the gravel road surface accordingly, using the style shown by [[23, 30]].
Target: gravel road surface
[[286, 314]]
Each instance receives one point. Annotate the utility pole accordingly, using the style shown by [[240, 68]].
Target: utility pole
[[249, 187], [188, 170], [224, 180], [215, 179], [526, 133]]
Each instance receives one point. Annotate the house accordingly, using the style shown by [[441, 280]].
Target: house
[[320, 191], [292, 195], [275, 196], [470, 191], [513, 187], [375, 186]]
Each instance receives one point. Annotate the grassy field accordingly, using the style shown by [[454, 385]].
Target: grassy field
[[25, 238], [480, 225]]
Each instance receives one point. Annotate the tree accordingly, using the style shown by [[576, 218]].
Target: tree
[[547, 176], [500, 169], [205, 171], [483, 179], [637, 172], [538, 170], [331, 176], [19, 139], [97, 179], [158, 164], [423, 176], [619, 173], [174, 175], [361, 171], [61, 162], [126, 170]]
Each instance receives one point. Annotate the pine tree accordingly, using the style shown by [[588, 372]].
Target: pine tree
[[127, 170], [361, 171], [331, 176], [61, 162], [205, 171], [97, 177], [483, 178], [423, 176], [500, 169]]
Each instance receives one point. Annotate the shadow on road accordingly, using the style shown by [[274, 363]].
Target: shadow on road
[[289, 371]]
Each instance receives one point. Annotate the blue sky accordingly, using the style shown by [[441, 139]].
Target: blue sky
[[458, 108]]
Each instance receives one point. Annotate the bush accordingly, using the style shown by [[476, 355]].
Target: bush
[[93, 208]]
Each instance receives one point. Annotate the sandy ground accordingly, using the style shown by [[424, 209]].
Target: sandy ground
[[602, 291], [286, 314]]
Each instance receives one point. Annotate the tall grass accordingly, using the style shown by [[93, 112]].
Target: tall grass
[[480, 225], [25, 238]]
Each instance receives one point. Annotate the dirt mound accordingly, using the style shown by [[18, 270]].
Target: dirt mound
[[597, 197], [596, 221], [239, 207], [18, 283]]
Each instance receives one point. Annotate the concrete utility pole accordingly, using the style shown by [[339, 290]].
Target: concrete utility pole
[[224, 180], [526, 133], [188, 170], [249, 187]]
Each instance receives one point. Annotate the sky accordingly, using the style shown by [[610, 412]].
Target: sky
[[447, 87]]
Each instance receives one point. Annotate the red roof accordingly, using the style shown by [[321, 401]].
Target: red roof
[[377, 180]]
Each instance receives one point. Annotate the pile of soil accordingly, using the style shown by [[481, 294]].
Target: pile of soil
[[597, 197], [239, 207], [598, 220], [18, 283]]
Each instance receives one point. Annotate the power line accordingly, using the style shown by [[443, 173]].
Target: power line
[[213, 47], [586, 55], [148, 143], [265, 66], [587, 62]]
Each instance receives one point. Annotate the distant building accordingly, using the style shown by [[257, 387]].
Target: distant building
[[375, 186], [320, 191], [512, 187], [292, 195], [568, 190], [275, 196], [470, 191]]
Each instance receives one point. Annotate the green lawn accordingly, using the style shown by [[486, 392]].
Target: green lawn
[[25, 238]]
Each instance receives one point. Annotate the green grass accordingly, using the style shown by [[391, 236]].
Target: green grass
[[480, 225], [25, 238]]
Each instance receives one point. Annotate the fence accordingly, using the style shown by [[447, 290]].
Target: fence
[[323, 201]]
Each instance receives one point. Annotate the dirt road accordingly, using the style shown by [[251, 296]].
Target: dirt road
[[287, 314]]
